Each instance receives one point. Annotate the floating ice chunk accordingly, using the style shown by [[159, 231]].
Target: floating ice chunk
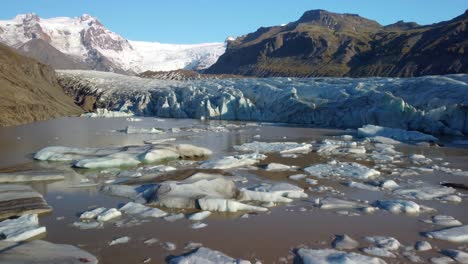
[[159, 141], [279, 167], [399, 206], [345, 169], [102, 112], [452, 234], [419, 159], [138, 194], [113, 160], [332, 256], [142, 210], [151, 241], [424, 192], [108, 215], [199, 215], [379, 252], [120, 240], [22, 228], [363, 186], [384, 140], [183, 194], [458, 255], [169, 246], [297, 177], [282, 188], [92, 214], [311, 181], [206, 256], [394, 133], [389, 243], [87, 225], [174, 217], [236, 161], [422, 246], [389, 184], [335, 203], [451, 198], [143, 130], [198, 225], [248, 195], [344, 242], [270, 147], [444, 220], [441, 260], [39, 251], [227, 205]]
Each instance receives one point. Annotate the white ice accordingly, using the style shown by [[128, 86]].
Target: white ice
[[342, 169], [332, 256], [21, 228]]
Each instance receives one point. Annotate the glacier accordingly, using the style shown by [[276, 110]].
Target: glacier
[[430, 104]]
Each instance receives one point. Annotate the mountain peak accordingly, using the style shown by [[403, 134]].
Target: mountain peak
[[90, 20], [336, 21], [27, 17]]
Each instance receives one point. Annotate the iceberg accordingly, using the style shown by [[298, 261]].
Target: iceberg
[[394, 133]]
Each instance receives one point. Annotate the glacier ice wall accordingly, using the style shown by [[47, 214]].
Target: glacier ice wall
[[432, 104]]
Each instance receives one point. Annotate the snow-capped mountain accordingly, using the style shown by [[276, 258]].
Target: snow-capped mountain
[[87, 39]]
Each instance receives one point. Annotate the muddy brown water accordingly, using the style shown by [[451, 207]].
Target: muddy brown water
[[269, 237]]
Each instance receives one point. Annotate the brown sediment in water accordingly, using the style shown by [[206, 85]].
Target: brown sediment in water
[[264, 236]]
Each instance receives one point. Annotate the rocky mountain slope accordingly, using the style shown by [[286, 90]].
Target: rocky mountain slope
[[29, 90], [321, 43], [86, 40]]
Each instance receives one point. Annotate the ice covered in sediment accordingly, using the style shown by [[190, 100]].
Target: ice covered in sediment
[[120, 240], [279, 167], [378, 252], [235, 161], [39, 251], [335, 203], [423, 191], [108, 215], [120, 156], [184, 194], [422, 246], [227, 205], [142, 210], [399, 206], [206, 256], [32, 176], [458, 255], [140, 194], [21, 228], [344, 242], [332, 256], [452, 234], [394, 133], [198, 216], [143, 130], [385, 242], [342, 169], [443, 220], [272, 147], [102, 112]]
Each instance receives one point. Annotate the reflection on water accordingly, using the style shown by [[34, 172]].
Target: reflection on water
[[266, 236]]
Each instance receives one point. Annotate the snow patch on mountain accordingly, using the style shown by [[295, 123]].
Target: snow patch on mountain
[[87, 39]]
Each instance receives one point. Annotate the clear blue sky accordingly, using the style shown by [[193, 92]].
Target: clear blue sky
[[184, 21]]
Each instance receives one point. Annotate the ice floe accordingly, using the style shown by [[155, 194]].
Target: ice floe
[[279, 167], [278, 147], [342, 169], [235, 161], [120, 156], [198, 216], [206, 255], [452, 234], [394, 133], [335, 203], [331, 256], [120, 240]]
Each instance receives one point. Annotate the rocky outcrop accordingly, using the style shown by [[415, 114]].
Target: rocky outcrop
[[29, 91], [321, 43]]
